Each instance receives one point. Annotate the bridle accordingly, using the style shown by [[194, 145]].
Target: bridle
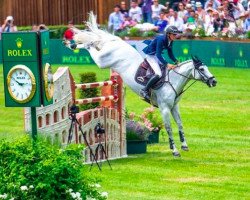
[[204, 78]]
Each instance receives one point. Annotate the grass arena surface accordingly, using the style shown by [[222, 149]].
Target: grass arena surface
[[217, 126]]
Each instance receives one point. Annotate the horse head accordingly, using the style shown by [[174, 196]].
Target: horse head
[[202, 73]]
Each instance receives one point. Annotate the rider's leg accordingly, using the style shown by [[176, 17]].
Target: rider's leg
[[153, 61]]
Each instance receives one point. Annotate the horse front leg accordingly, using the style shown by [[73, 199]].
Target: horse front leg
[[166, 118], [177, 118]]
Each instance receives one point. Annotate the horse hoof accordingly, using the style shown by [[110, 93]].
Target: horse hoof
[[176, 154], [185, 148]]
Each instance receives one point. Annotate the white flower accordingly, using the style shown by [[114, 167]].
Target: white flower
[[78, 194], [104, 194], [97, 185], [3, 196], [90, 198], [73, 195], [31, 186], [70, 190], [24, 187]]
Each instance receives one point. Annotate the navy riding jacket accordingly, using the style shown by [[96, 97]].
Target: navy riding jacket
[[157, 46]]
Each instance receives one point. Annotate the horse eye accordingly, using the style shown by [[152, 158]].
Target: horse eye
[[202, 69]]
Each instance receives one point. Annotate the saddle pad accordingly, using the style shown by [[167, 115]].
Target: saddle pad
[[145, 72]]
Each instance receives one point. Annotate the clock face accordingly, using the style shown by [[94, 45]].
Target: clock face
[[48, 82], [21, 83]]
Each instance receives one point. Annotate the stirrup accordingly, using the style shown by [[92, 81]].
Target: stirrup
[[144, 94]]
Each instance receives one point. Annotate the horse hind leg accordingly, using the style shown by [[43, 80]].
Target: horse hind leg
[[176, 115], [184, 146], [166, 117]]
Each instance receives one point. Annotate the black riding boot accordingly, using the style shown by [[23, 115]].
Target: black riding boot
[[145, 91]]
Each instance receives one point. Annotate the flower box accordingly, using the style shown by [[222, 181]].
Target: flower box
[[153, 137], [136, 146]]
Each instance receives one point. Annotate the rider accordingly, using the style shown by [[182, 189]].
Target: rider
[[154, 56]]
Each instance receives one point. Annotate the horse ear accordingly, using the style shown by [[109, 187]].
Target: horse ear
[[196, 58], [193, 58]]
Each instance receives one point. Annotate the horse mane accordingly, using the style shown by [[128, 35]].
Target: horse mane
[[185, 62]]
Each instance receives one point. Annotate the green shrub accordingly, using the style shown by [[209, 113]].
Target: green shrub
[[199, 32], [248, 35], [148, 34], [56, 32], [43, 171], [134, 32], [122, 33], [88, 77]]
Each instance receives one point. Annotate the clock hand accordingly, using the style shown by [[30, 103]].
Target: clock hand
[[25, 83], [17, 82]]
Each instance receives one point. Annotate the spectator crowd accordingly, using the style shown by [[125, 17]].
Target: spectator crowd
[[9, 26], [193, 18], [210, 17]]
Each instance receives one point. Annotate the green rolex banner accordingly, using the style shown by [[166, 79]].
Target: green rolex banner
[[237, 54], [63, 55], [213, 53]]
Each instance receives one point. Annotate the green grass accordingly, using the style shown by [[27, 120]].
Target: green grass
[[217, 125]]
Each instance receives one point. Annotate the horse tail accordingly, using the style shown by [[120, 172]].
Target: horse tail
[[91, 23], [94, 34]]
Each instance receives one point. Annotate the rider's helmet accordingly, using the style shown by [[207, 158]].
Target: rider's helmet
[[172, 29]]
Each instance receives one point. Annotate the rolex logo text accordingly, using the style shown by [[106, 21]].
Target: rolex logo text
[[19, 52]]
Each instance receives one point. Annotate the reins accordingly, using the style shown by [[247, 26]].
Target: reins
[[184, 90]]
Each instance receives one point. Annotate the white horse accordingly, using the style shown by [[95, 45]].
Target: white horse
[[108, 50]]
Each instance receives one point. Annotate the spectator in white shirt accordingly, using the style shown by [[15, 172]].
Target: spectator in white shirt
[[135, 11], [156, 10], [212, 3], [209, 22], [115, 19], [181, 10], [175, 20], [200, 11], [238, 9]]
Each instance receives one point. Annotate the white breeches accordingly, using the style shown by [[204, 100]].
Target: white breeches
[[154, 62]]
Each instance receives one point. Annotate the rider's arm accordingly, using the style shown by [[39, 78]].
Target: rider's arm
[[159, 49], [171, 54]]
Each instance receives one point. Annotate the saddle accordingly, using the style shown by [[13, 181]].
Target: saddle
[[145, 72]]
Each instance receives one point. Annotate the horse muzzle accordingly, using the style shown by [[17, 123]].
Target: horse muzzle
[[211, 82]]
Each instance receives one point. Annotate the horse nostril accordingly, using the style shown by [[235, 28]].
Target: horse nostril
[[214, 82]]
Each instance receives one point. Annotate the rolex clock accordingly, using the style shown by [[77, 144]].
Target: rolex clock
[[48, 82], [21, 83]]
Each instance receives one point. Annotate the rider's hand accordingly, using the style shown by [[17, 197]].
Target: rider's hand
[[170, 66], [177, 62]]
